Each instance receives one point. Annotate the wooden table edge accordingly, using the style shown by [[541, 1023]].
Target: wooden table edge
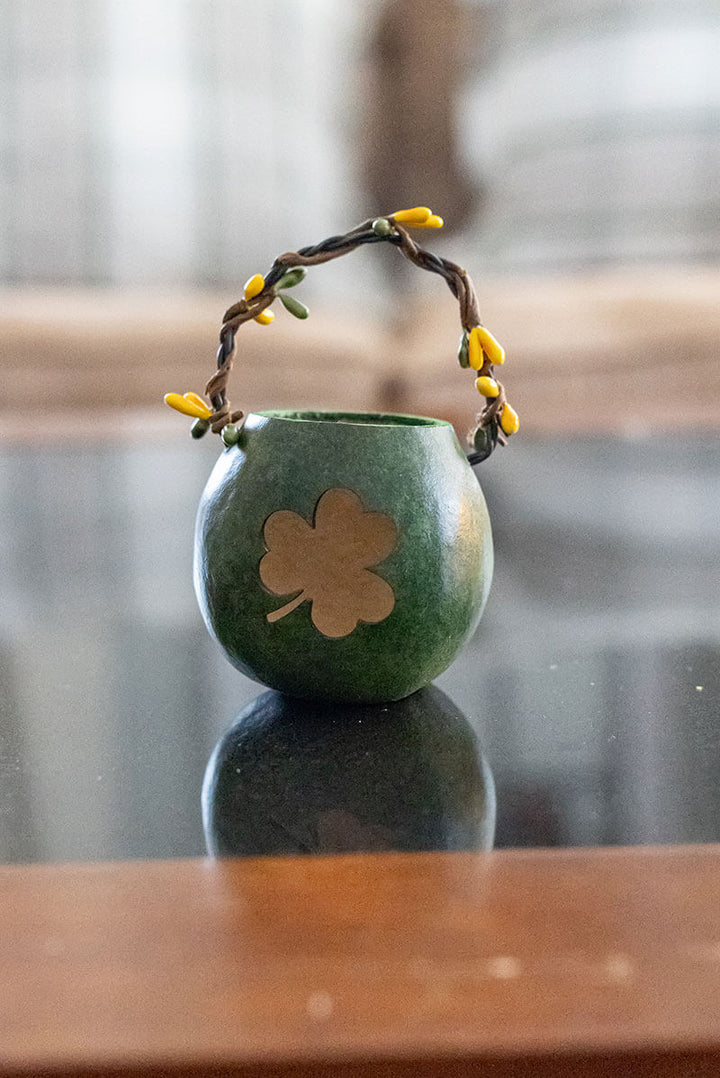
[[514, 962]]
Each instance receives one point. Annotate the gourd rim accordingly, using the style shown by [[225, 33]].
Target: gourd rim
[[359, 419]]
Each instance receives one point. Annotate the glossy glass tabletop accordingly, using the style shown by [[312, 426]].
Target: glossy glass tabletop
[[592, 684]]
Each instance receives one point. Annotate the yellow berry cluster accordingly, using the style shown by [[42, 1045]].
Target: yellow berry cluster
[[193, 405], [253, 287], [417, 217], [189, 404], [480, 350]]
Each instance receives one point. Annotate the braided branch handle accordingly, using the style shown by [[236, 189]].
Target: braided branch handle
[[478, 348]]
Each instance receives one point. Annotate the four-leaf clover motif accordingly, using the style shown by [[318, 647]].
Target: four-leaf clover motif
[[328, 562]]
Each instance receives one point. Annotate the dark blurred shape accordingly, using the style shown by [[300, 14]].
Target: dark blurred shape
[[411, 152], [295, 776], [534, 814]]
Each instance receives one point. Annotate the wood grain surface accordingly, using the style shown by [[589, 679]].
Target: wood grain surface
[[525, 962]]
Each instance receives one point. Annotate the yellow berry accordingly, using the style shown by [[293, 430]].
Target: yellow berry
[[509, 420], [433, 221], [265, 318], [493, 349], [487, 387], [417, 215], [194, 399], [186, 407], [475, 352], [253, 286]]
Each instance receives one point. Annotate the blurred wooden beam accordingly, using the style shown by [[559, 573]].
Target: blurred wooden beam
[[114, 349], [623, 351]]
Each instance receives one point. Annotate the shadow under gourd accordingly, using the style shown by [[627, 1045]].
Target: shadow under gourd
[[295, 776]]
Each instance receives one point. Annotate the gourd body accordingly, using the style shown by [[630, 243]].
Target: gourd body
[[343, 491]]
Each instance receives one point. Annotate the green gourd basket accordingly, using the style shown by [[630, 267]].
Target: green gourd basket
[[343, 556]]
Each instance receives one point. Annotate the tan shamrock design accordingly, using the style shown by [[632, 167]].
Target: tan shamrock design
[[327, 562]]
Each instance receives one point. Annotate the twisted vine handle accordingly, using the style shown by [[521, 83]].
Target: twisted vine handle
[[478, 348]]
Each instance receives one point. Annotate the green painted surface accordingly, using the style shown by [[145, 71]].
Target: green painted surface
[[440, 570]]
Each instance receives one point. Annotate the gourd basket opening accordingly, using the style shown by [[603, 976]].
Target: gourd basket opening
[[374, 419]]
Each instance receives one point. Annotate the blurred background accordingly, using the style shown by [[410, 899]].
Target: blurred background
[[154, 156]]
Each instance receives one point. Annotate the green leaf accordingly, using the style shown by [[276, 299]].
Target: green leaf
[[464, 350], [292, 277], [294, 306], [199, 428], [483, 443]]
